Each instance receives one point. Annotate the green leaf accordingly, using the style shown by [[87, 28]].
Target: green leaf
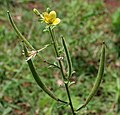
[[7, 111]]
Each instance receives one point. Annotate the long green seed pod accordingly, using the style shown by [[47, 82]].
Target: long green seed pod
[[37, 78], [20, 35], [98, 79], [18, 32], [68, 58]]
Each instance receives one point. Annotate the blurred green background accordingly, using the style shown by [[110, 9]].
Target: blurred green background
[[84, 24]]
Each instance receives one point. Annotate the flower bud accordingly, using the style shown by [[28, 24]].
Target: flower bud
[[36, 12], [48, 10]]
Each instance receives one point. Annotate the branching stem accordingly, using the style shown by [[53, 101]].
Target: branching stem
[[61, 68]]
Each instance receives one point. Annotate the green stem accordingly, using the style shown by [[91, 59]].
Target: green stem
[[57, 54], [51, 64], [61, 68], [69, 97]]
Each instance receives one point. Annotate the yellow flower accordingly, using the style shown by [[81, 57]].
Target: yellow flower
[[50, 18]]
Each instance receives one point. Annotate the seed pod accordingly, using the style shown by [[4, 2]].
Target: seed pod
[[20, 35], [36, 12], [98, 79], [18, 32], [68, 58], [49, 10], [37, 78]]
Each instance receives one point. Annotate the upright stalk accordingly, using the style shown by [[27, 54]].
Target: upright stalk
[[61, 68]]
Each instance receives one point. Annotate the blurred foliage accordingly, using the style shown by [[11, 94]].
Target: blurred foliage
[[116, 21], [85, 24]]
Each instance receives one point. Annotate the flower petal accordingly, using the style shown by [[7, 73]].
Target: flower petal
[[56, 21], [52, 15], [46, 17]]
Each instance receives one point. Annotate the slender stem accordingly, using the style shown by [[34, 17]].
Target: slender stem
[[61, 68], [56, 66], [63, 101], [57, 54], [70, 101]]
